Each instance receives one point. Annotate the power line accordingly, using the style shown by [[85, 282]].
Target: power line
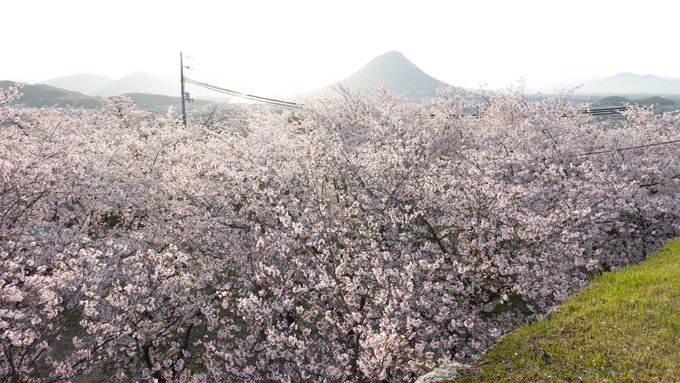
[[243, 95], [626, 148]]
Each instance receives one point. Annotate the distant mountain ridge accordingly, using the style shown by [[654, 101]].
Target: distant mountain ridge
[[97, 85], [85, 83], [45, 96], [395, 72], [624, 84], [630, 83], [139, 82], [42, 95], [392, 69]]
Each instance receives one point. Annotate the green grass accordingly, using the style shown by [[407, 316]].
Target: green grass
[[625, 327]]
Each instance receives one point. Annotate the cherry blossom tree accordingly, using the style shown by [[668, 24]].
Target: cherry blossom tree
[[360, 239]]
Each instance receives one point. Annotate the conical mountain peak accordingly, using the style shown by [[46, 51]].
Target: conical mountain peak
[[398, 74], [391, 55]]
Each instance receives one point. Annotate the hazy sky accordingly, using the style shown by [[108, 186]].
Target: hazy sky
[[276, 47]]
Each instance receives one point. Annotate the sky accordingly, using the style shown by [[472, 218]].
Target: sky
[[278, 47]]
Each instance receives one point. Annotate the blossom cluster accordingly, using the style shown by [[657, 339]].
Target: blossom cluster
[[360, 239]]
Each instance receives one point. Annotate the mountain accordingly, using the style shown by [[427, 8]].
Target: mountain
[[630, 83], [86, 83], [41, 95], [139, 82], [393, 70], [612, 101], [656, 100]]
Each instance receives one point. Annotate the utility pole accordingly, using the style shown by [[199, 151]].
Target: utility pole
[[183, 97]]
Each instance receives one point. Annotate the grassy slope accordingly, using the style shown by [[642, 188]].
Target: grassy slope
[[625, 327]]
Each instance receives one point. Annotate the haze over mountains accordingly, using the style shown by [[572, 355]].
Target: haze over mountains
[[96, 85], [392, 69], [621, 84], [139, 82], [85, 83], [400, 75], [630, 83]]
